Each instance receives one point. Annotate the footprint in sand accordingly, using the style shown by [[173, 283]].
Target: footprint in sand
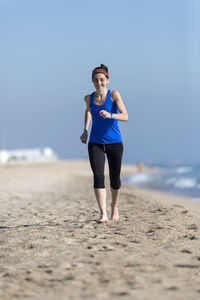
[[186, 251], [123, 294], [119, 233], [172, 288], [198, 257], [192, 226], [49, 271], [103, 280], [132, 265], [42, 266], [121, 244], [150, 232], [190, 237], [135, 241], [187, 266], [89, 247], [28, 278], [69, 278]]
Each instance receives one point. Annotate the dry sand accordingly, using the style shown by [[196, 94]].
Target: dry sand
[[52, 248]]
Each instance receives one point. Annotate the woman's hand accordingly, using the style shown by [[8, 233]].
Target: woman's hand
[[104, 114], [84, 137]]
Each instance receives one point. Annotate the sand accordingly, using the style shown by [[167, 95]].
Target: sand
[[52, 248]]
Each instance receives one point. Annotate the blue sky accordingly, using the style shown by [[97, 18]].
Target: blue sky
[[151, 47]]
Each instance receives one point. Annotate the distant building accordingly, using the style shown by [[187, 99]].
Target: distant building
[[29, 155]]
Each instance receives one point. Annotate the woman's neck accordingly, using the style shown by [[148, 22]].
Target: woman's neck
[[101, 93]]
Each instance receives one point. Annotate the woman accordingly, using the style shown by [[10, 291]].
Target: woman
[[106, 108]]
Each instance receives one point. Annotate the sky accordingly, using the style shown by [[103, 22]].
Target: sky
[[151, 47]]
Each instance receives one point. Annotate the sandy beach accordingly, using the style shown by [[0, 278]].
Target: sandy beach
[[51, 246]]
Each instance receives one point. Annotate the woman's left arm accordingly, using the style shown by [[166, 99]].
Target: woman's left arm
[[122, 115]]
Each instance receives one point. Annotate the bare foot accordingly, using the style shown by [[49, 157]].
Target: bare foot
[[103, 219], [114, 214]]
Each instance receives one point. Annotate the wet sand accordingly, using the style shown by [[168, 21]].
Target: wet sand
[[52, 248]]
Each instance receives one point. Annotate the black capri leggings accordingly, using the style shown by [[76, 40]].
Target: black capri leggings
[[97, 161]]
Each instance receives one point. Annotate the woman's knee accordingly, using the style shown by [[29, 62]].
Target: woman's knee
[[115, 184]]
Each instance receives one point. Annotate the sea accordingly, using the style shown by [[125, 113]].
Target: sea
[[179, 179]]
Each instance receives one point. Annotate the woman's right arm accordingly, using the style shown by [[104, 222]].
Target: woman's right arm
[[87, 120]]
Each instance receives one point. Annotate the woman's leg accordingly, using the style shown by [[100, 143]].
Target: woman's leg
[[97, 162], [101, 200], [114, 208], [114, 154]]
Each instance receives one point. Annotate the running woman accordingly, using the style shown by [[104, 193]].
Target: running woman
[[106, 108]]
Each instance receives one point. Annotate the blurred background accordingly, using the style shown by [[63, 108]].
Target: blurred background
[[151, 47]]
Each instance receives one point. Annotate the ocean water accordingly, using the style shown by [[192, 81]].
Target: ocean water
[[183, 180]]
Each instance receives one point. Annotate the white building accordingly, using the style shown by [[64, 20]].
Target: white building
[[29, 155]]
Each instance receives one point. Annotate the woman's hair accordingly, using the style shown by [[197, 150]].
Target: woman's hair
[[102, 69]]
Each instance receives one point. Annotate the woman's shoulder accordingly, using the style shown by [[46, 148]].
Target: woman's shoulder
[[114, 94], [87, 98]]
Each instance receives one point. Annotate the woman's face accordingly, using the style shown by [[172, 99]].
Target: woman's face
[[100, 81]]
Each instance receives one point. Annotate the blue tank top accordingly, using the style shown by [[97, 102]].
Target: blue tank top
[[104, 131]]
